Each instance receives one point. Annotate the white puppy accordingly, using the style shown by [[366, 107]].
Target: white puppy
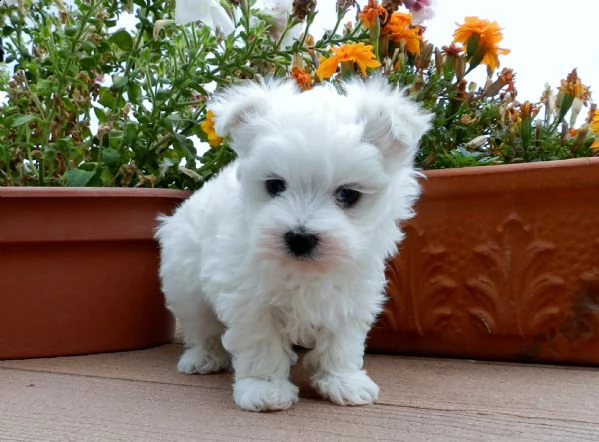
[[287, 245]]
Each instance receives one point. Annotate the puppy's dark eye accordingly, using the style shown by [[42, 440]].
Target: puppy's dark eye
[[347, 197], [275, 186]]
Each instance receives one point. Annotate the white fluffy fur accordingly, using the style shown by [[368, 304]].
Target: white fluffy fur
[[225, 269]]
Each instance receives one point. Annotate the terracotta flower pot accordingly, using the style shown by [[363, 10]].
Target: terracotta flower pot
[[78, 270], [500, 262]]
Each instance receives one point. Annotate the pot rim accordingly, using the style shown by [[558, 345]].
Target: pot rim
[[87, 192], [571, 163]]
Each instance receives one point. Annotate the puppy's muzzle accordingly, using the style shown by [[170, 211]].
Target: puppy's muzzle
[[301, 244]]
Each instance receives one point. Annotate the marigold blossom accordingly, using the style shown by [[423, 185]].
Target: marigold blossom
[[528, 110], [371, 12], [507, 76], [302, 78], [595, 122], [399, 28], [208, 127], [452, 50], [488, 34], [573, 87], [357, 53], [595, 129]]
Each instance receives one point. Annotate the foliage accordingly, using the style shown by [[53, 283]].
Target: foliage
[[90, 103]]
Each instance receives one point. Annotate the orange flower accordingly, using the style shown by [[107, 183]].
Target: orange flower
[[302, 78], [528, 110], [371, 12], [452, 50], [595, 145], [595, 122], [507, 76], [573, 87], [208, 127], [358, 53], [399, 28], [486, 35]]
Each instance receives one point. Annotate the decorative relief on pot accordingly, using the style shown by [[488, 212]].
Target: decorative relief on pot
[[583, 325], [419, 288], [515, 293]]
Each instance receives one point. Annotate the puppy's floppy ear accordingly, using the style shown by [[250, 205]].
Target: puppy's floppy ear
[[392, 122], [237, 109]]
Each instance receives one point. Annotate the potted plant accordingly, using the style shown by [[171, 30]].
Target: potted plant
[[86, 103], [91, 103]]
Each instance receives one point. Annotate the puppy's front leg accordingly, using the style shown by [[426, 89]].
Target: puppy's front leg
[[261, 360], [337, 361]]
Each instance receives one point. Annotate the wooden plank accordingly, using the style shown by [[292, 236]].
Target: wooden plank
[[452, 385], [49, 406], [521, 389]]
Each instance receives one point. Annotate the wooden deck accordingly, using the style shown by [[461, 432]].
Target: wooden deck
[[139, 395]]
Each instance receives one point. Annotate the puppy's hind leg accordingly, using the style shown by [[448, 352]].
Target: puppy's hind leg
[[202, 333]]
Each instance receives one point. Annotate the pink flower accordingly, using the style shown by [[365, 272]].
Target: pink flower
[[421, 10]]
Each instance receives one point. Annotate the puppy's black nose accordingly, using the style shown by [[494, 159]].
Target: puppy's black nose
[[300, 243]]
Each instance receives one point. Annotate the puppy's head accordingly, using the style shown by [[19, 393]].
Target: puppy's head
[[321, 171]]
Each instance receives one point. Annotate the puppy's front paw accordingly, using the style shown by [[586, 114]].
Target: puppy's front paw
[[254, 394], [347, 388], [203, 361]]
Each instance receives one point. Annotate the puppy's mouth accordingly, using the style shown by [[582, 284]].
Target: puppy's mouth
[[302, 254]]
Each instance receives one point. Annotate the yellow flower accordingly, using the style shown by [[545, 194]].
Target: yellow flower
[[486, 34], [595, 122], [574, 88], [528, 110], [399, 28], [208, 127], [358, 53], [371, 12], [302, 78]]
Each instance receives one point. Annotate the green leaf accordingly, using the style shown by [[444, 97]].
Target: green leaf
[[106, 98], [89, 167], [45, 87], [122, 39], [472, 45], [88, 45], [78, 177], [134, 92], [111, 157], [68, 105], [89, 63], [100, 114], [21, 120], [119, 81]]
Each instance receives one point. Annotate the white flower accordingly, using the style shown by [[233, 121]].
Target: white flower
[[8, 2], [575, 111], [421, 10], [279, 11], [158, 27], [477, 142], [165, 165], [209, 12]]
